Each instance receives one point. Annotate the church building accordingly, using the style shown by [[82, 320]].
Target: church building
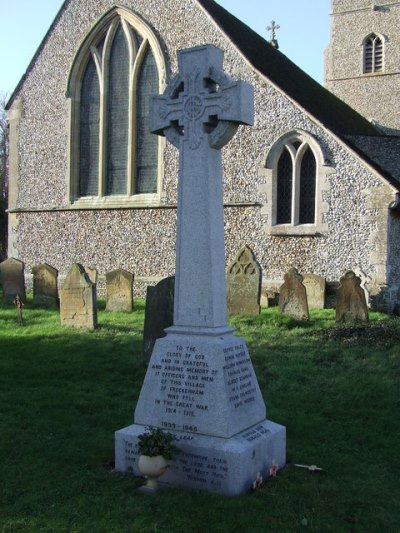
[[314, 184]]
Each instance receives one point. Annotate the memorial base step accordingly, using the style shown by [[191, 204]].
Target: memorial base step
[[227, 466]]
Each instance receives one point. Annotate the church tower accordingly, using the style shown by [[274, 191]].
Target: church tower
[[362, 61]]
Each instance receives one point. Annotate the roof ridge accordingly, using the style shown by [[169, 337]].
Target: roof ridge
[[326, 107]]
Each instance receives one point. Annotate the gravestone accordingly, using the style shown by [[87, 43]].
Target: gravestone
[[293, 296], [244, 283], [119, 289], [351, 305], [45, 288], [78, 299], [93, 276], [365, 280], [200, 382], [269, 298], [12, 274], [315, 289], [159, 313]]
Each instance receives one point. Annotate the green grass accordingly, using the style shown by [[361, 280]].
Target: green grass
[[63, 393]]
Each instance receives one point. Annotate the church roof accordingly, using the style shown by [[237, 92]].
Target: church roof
[[383, 152], [334, 114], [327, 108], [324, 106]]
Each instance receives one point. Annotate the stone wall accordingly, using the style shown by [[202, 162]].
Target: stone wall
[[45, 228], [372, 95]]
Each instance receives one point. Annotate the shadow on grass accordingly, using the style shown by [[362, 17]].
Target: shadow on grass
[[63, 393]]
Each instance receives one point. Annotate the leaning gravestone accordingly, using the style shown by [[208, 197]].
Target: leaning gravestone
[[45, 288], [293, 296], [13, 279], [159, 313], [244, 283], [78, 299], [200, 382], [119, 288], [315, 288], [351, 305]]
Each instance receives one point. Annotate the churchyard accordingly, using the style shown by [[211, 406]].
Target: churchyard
[[323, 457], [64, 392]]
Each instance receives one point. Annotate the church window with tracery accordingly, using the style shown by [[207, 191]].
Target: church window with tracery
[[296, 184], [113, 152]]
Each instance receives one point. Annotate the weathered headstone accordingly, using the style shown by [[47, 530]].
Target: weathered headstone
[[119, 288], [77, 299], [12, 274], [45, 288], [200, 382], [315, 288], [293, 296], [244, 283], [159, 313], [351, 305]]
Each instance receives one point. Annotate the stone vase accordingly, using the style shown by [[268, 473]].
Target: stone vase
[[152, 468]]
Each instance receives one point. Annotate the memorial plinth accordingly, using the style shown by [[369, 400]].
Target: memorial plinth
[[200, 383]]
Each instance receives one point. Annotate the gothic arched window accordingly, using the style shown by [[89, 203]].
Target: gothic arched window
[[296, 184], [113, 153], [284, 188], [373, 54]]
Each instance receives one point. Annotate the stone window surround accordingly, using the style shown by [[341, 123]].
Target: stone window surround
[[372, 72], [128, 19], [269, 187]]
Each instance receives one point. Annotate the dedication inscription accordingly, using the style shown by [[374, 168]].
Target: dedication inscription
[[184, 383]]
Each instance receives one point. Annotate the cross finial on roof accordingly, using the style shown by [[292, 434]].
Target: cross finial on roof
[[272, 28]]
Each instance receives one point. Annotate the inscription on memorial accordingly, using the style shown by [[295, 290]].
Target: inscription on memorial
[[183, 374], [239, 376], [207, 471], [186, 379], [204, 470]]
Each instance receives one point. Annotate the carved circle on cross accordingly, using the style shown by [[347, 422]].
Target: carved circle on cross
[[193, 107]]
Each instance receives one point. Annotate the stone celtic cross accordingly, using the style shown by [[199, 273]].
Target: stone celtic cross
[[199, 113]]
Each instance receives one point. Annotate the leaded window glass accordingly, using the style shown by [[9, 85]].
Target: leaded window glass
[[307, 188], [284, 188], [147, 152], [117, 155], [118, 116], [89, 132], [296, 184]]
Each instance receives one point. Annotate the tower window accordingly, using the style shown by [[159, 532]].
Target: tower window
[[373, 54]]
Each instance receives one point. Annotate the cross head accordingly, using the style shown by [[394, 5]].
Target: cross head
[[202, 102]]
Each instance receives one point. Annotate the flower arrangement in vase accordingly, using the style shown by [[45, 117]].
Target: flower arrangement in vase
[[156, 448]]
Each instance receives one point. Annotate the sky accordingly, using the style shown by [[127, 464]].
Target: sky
[[303, 34]]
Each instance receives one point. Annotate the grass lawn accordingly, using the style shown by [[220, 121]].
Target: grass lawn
[[63, 393]]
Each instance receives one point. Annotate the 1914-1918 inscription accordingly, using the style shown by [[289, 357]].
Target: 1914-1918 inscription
[[185, 379]]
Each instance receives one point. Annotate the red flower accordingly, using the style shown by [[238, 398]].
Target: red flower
[[274, 469]]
